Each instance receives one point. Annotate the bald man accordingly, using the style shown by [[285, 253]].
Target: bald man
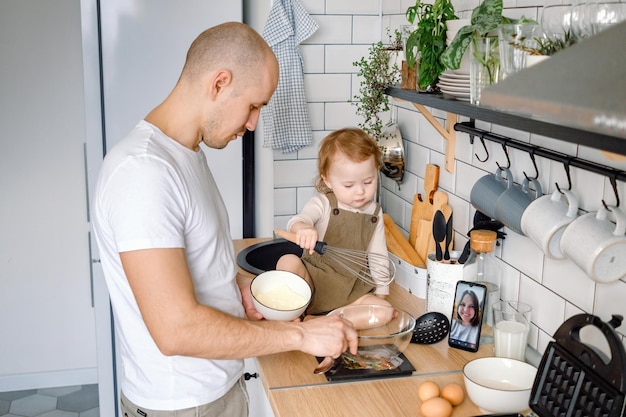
[[184, 317]]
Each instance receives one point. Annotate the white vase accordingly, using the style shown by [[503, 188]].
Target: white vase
[[452, 27], [395, 58]]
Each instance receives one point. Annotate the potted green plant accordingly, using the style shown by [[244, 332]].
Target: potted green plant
[[548, 46], [428, 41], [376, 75], [395, 48], [395, 40], [485, 18]]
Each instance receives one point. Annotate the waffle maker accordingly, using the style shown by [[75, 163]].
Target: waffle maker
[[577, 380]]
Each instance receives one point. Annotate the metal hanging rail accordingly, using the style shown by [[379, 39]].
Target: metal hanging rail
[[468, 127], [568, 160]]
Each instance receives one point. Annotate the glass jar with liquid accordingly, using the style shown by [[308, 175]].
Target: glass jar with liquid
[[485, 268]]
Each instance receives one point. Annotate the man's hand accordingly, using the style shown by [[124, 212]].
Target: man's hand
[[246, 297], [328, 336]]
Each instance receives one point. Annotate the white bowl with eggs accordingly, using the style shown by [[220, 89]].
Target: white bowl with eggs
[[280, 295], [499, 385]]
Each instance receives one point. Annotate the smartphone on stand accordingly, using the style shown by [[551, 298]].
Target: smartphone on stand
[[468, 311]]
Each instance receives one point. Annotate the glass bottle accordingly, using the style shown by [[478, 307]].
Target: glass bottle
[[483, 267]]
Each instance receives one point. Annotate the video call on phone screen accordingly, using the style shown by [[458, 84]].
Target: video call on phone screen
[[467, 315]]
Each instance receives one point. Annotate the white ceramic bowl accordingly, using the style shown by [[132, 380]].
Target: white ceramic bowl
[[383, 331], [499, 385], [280, 295]]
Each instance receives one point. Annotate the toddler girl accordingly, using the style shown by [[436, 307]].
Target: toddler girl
[[343, 214]]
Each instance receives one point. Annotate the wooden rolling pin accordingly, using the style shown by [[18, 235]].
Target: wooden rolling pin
[[399, 245]]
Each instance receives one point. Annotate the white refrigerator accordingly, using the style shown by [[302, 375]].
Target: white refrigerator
[[143, 47], [133, 52]]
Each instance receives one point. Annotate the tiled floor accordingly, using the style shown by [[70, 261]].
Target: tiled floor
[[76, 401]]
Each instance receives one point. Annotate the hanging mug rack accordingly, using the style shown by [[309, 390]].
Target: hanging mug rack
[[568, 161]]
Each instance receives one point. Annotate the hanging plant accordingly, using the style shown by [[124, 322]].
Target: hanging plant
[[372, 101]]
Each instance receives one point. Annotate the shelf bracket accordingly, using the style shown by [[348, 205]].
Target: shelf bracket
[[613, 156], [448, 133]]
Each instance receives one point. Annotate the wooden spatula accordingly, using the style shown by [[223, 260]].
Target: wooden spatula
[[399, 245]]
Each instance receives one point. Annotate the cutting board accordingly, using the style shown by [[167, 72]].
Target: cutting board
[[424, 208], [423, 205], [425, 243]]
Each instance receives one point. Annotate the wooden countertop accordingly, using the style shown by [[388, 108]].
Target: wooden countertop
[[393, 397], [294, 390]]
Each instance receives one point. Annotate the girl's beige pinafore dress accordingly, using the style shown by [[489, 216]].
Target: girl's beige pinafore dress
[[334, 286]]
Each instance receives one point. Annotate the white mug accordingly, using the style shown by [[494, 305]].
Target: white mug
[[546, 218], [597, 245]]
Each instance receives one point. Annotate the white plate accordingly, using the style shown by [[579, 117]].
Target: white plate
[[451, 97], [460, 84], [454, 76], [448, 89], [455, 93], [454, 80]]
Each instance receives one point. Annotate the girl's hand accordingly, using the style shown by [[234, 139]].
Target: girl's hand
[[306, 237]]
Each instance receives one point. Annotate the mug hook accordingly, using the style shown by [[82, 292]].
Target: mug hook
[[506, 152], [613, 180], [569, 178], [532, 157], [482, 140]]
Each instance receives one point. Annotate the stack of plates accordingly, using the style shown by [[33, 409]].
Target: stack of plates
[[455, 85]]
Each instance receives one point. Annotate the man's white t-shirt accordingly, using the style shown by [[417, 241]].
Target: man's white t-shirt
[[153, 192]]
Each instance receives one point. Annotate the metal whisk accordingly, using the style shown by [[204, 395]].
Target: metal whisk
[[372, 268]]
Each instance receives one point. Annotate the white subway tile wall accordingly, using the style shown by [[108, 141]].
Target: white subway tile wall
[[327, 87], [285, 201], [555, 289]]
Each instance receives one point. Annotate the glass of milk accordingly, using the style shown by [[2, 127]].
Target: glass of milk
[[512, 323]]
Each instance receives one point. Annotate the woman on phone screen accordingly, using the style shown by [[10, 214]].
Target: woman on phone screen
[[466, 323]]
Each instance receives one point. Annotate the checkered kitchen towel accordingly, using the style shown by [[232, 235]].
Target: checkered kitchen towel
[[286, 124]]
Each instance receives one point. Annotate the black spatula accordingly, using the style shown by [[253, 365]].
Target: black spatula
[[439, 233], [449, 231]]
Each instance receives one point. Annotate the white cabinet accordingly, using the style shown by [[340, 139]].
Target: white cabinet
[[46, 311], [259, 403]]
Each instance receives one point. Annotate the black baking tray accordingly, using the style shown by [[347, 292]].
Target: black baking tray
[[339, 373]]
